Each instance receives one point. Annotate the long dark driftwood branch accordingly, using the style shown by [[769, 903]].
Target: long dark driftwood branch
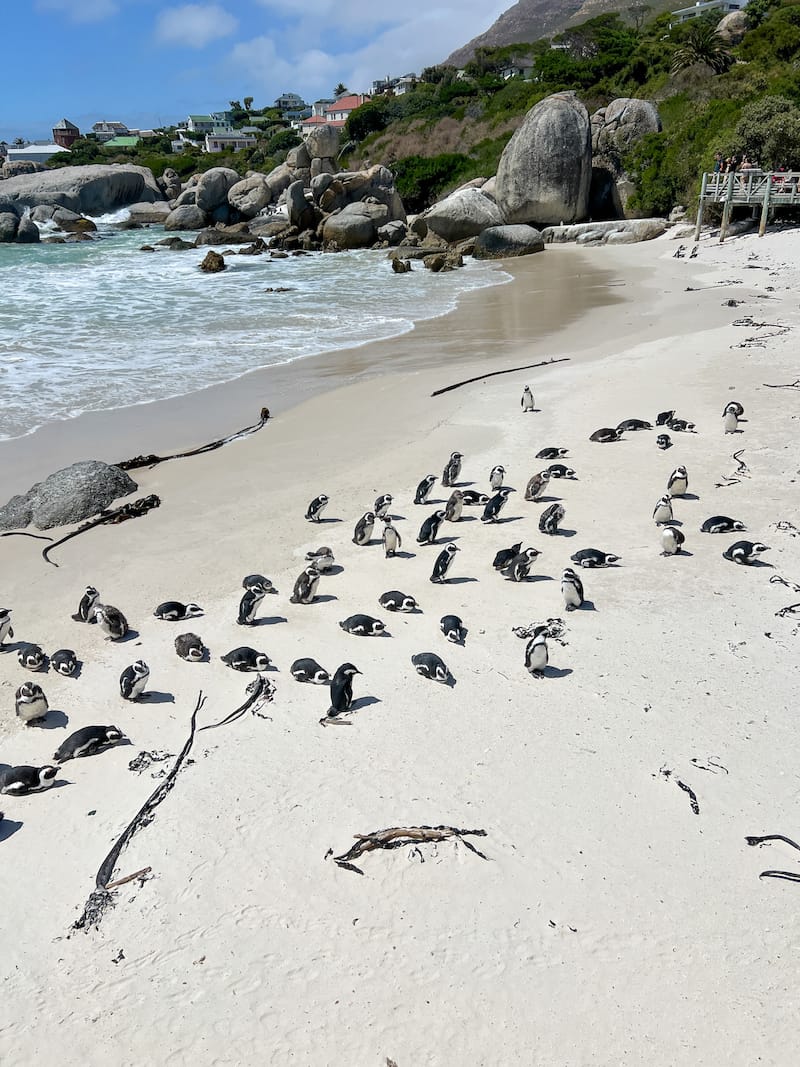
[[101, 898], [133, 510], [398, 837], [494, 374], [742, 471], [24, 533], [787, 876], [789, 385], [261, 691], [153, 460]]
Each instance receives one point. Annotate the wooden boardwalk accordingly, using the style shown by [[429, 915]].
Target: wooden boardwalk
[[764, 189]]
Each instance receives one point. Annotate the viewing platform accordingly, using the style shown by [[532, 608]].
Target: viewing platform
[[758, 188]]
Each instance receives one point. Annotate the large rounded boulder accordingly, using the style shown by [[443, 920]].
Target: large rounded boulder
[[546, 167], [250, 195], [355, 226], [323, 142], [70, 495], [624, 122], [464, 213], [213, 188], [186, 217], [501, 242]]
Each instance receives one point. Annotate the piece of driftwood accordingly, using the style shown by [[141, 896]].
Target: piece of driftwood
[[130, 878], [789, 385], [152, 460], [669, 775], [101, 898], [261, 692], [399, 836], [494, 374], [787, 876], [742, 471], [24, 533], [132, 510]]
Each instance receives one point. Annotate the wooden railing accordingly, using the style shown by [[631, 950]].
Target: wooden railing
[[764, 189]]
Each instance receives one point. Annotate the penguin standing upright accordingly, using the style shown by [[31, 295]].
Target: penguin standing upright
[[341, 691], [518, 569], [248, 605], [452, 469], [429, 530], [571, 589], [671, 541], [662, 512], [382, 505], [536, 653], [537, 485], [454, 506], [527, 399], [443, 562], [305, 588], [391, 538], [111, 621], [424, 489], [496, 476], [88, 602], [316, 507], [5, 624], [730, 417], [550, 518], [133, 680], [31, 703], [364, 527], [491, 513], [678, 482]]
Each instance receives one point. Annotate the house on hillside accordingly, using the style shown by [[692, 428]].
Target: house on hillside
[[34, 152], [717, 8], [65, 133], [339, 111], [105, 130], [204, 124], [290, 102], [224, 141], [519, 68], [395, 86]]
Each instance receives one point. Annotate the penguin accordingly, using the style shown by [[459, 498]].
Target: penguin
[[316, 507], [248, 605], [133, 680], [679, 252], [363, 626], [664, 441], [526, 401], [322, 558], [454, 506], [745, 552], [550, 518], [392, 541], [471, 498], [111, 621], [305, 588], [341, 690], [505, 555], [730, 420], [190, 647], [671, 541], [87, 741], [536, 653], [31, 703], [88, 602], [605, 435], [681, 426], [496, 476], [424, 489], [31, 657], [571, 589], [663, 418], [693, 253], [250, 580], [721, 524], [551, 453], [453, 629], [593, 557], [662, 513], [363, 530], [491, 513], [632, 425], [443, 562], [19, 781], [5, 625], [735, 407], [382, 505], [394, 600], [537, 485], [518, 569], [64, 662], [245, 658], [308, 670], [429, 665], [429, 530], [678, 482], [452, 470], [174, 611], [561, 470]]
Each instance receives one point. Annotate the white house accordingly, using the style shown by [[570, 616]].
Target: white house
[[706, 7], [222, 141], [105, 130], [36, 152]]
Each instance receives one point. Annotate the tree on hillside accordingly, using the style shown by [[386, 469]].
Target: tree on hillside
[[702, 45], [248, 103], [235, 105], [769, 131], [639, 12]]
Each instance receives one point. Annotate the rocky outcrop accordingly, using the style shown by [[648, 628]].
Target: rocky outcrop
[[147, 214], [20, 166], [63, 218], [239, 234], [250, 195], [212, 188], [300, 211], [733, 27], [615, 130], [213, 263], [350, 187], [279, 179], [170, 183], [500, 242], [92, 190], [464, 213], [619, 231], [27, 231], [355, 226], [186, 217], [322, 142], [545, 169], [9, 224], [70, 495]]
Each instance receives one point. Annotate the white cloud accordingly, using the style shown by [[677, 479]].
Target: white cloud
[[194, 25], [81, 10]]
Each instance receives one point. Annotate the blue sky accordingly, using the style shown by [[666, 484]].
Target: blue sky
[[151, 62]]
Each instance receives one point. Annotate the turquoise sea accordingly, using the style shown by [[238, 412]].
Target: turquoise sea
[[102, 325]]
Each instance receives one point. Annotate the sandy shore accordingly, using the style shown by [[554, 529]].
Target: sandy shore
[[609, 923]]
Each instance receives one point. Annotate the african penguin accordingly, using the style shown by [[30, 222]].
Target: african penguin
[[87, 741], [662, 512], [363, 626], [429, 530], [678, 482], [382, 505], [664, 417], [452, 470], [89, 600], [394, 600], [671, 540], [527, 399], [605, 435], [175, 611], [342, 690], [593, 557], [5, 624], [551, 453], [308, 670], [316, 507], [190, 647], [550, 518], [133, 680], [443, 562], [392, 541], [31, 703], [505, 555], [322, 558], [31, 657], [363, 530], [571, 589], [745, 552], [491, 513], [735, 407], [64, 661], [248, 605], [305, 587], [111, 621], [536, 654], [453, 629], [472, 498], [537, 485], [424, 489], [454, 506], [250, 580], [518, 569], [721, 524], [664, 441], [19, 781], [496, 476], [245, 658], [631, 425], [681, 426], [429, 665], [730, 420]]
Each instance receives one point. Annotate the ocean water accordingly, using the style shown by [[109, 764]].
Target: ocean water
[[101, 325]]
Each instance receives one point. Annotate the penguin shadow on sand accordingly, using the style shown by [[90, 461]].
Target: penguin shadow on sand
[[587, 605], [689, 496], [462, 580], [322, 598], [53, 720], [564, 531], [131, 635], [8, 827], [402, 554], [557, 672], [268, 620], [343, 718], [155, 696]]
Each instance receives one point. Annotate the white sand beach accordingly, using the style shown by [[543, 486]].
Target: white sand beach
[[608, 923]]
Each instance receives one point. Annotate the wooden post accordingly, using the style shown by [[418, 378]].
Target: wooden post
[[762, 226], [700, 209], [726, 211]]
